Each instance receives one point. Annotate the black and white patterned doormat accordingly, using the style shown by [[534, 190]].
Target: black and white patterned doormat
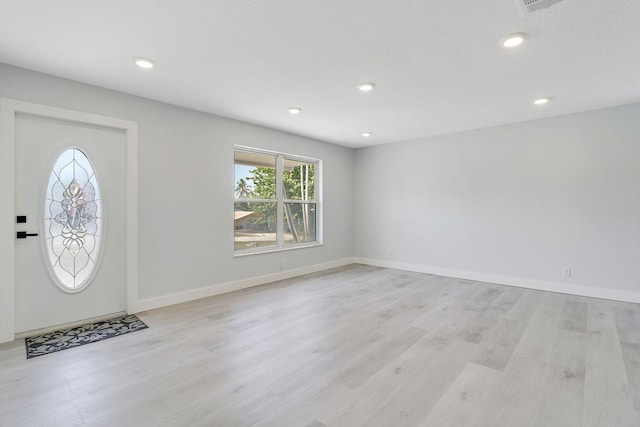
[[81, 335]]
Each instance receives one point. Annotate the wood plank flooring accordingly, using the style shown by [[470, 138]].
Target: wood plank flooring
[[355, 346]]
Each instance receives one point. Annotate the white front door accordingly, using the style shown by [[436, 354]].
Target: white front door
[[40, 301]]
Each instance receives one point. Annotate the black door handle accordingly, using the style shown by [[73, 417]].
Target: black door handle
[[24, 235]]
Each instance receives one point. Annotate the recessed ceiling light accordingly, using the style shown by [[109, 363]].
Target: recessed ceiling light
[[366, 86], [295, 110], [144, 63], [367, 134], [541, 101], [513, 40]]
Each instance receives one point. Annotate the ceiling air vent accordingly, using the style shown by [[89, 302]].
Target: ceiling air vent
[[529, 6]]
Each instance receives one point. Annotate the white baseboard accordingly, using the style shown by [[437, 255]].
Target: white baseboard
[[541, 285], [564, 288], [177, 298]]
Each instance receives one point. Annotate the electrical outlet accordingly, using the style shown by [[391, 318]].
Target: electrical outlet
[[566, 272], [389, 252]]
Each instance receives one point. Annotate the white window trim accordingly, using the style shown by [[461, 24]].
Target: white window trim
[[280, 246]]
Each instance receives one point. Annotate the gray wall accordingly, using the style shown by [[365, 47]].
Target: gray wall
[[186, 185], [516, 201]]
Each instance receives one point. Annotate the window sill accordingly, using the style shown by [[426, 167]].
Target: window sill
[[248, 252]]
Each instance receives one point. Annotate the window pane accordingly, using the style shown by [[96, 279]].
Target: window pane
[[255, 225], [299, 222], [73, 220], [255, 175], [298, 180]]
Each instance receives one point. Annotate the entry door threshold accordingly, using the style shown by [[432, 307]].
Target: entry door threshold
[[70, 325]]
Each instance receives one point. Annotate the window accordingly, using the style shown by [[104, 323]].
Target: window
[[73, 221], [276, 201]]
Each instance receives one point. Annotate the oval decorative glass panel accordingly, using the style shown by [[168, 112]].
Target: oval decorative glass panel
[[73, 221]]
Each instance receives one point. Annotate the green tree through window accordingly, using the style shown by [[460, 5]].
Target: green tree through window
[[266, 217]]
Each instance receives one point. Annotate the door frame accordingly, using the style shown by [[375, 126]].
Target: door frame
[[9, 108]]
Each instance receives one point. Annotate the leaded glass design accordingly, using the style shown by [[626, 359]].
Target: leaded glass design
[[73, 220]]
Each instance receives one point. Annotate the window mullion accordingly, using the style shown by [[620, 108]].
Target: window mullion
[[279, 203]]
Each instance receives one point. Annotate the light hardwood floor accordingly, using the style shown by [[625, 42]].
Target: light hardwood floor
[[355, 346]]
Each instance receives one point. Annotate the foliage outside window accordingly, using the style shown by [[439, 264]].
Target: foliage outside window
[[276, 201]]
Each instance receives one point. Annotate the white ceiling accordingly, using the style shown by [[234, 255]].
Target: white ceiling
[[438, 64]]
